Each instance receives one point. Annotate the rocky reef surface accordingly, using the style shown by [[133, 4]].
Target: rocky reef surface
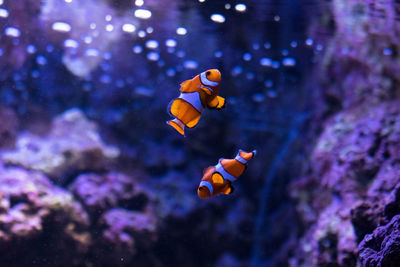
[[348, 198], [61, 192]]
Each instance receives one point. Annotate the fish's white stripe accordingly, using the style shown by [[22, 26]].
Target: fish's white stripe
[[179, 123], [219, 168], [209, 186], [204, 80], [240, 159], [193, 99]]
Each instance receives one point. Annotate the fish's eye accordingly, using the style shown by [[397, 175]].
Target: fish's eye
[[201, 188], [208, 73]]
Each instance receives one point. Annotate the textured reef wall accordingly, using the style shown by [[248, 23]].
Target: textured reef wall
[[108, 184], [348, 199]]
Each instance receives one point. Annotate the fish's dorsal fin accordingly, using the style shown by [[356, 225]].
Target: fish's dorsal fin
[[247, 155], [217, 178], [185, 86], [229, 190]]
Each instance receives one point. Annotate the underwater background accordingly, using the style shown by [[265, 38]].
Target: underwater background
[[91, 175]]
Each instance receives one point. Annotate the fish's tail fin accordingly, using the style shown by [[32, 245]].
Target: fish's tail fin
[[246, 155], [177, 125]]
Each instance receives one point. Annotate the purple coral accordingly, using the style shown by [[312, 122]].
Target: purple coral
[[33, 210], [73, 144]]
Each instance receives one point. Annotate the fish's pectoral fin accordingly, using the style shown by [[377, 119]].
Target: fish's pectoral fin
[[213, 103], [217, 178], [229, 190], [185, 86], [221, 102]]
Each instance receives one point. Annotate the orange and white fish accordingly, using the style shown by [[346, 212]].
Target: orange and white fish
[[196, 94], [218, 179]]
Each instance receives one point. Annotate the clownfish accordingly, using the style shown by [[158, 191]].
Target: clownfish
[[218, 179], [196, 94]]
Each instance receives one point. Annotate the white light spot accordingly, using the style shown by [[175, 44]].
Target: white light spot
[[272, 93], [92, 52], [267, 45], [293, 44], [71, 43], [1, 2], [387, 51], [153, 56], [109, 27], [250, 76], [108, 18], [92, 26], [144, 91], [68, 1], [247, 57], [190, 64], [181, 31], [41, 60], [170, 43], [152, 44], [171, 72], [266, 62], [285, 52], [181, 53], [268, 83], [88, 39], [218, 18], [128, 28], [277, 18], [227, 6], [139, 3], [258, 97], [12, 32], [149, 30], [309, 41], [31, 49], [202, 1], [319, 47], [61, 26], [236, 71], [275, 64], [289, 62], [142, 13], [3, 13], [137, 49], [142, 34], [105, 78], [218, 54], [107, 55], [256, 46], [240, 7], [49, 48]]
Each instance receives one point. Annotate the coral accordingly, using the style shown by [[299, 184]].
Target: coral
[[86, 56], [125, 233], [382, 247], [99, 193], [360, 62], [352, 188], [73, 144], [34, 211]]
